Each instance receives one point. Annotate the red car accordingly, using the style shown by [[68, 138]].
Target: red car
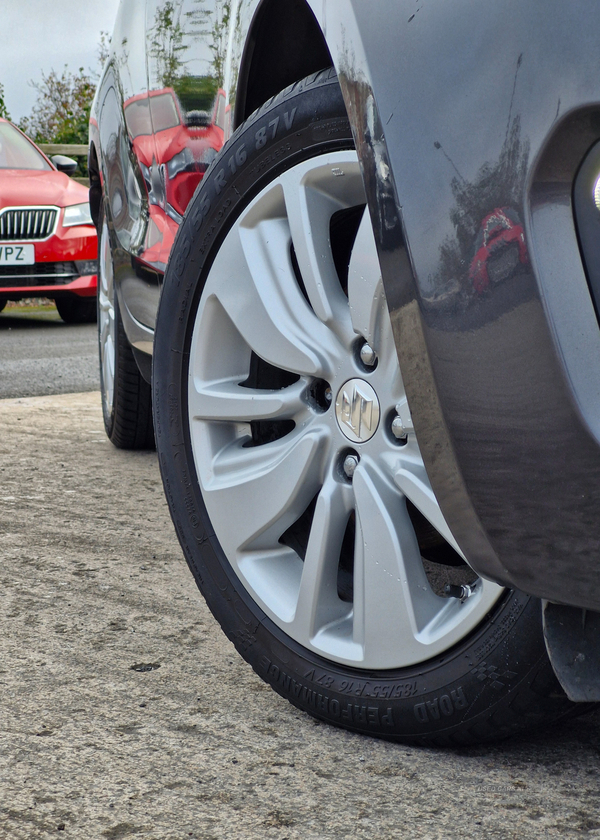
[[500, 249], [48, 244]]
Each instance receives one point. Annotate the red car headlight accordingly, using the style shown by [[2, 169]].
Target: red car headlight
[[77, 214]]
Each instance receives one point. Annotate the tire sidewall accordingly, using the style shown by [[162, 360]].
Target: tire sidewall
[[107, 412], [120, 339], [441, 696]]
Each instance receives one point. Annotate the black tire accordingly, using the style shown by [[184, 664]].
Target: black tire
[[493, 682], [75, 310], [127, 399], [2, 304]]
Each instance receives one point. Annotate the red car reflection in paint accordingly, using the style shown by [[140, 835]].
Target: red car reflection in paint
[[500, 249], [174, 149]]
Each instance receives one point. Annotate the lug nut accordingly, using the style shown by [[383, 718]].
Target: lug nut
[[350, 464], [368, 356], [319, 395], [399, 430]]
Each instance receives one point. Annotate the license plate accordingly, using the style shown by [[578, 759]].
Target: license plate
[[17, 254]]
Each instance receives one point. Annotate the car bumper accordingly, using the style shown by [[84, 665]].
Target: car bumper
[[85, 286], [55, 271], [504, 387]]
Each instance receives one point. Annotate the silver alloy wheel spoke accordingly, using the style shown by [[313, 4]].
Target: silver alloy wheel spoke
[[106, 317], [412, 480], [281, 481], [318, 603], [261, 297], [311, 197], [392, 597], [281, 505], [228, 400], [366, 299]]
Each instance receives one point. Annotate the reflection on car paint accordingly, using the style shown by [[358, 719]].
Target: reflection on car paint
[[174, 157], [164, 115], [500, 248]]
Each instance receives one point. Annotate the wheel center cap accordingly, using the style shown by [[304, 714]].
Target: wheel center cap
[[357, 410]]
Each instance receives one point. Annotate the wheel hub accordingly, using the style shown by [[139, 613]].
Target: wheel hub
[[357, 410]]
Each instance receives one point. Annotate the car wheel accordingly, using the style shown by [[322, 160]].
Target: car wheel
[[2, 304], [126, 396], [74, 310], [290, 463]]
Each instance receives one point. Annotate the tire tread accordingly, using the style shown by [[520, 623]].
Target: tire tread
[[128, 423], [132, 424]]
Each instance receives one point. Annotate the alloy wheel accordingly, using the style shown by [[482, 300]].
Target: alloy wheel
[[301, 432]]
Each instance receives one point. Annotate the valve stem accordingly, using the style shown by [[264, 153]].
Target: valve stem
[[462, 591]]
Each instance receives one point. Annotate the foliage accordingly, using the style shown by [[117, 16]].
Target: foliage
[[61, 113], [3, 109], [219, 38], [103, 48], [62, 110], [166, 43], [172, 31], [196, 92]]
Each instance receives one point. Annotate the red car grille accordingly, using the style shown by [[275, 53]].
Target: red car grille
[[27, 223], [40, 274]]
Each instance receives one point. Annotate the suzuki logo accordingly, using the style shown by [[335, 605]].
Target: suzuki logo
[[357, 410]]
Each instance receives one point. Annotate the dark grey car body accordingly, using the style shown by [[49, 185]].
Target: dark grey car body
[[464, 114]]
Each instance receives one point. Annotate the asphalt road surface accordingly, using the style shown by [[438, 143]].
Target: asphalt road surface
[[126, 713], [40, 354]]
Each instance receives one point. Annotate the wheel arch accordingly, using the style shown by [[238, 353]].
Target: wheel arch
[[95, 183], [285, 43]]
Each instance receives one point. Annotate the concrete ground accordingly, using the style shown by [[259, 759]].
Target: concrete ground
[[125, 711]]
